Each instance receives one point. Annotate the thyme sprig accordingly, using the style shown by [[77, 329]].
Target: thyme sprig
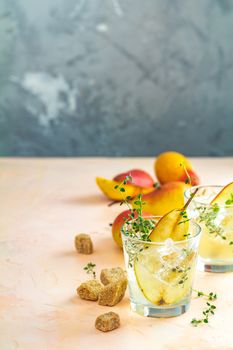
[[185, 267], [208, 216], [210, 296], [208, 311], [137, 226], [184, 215], [140, 227], [184, 275], [187, 234], [89, 268]]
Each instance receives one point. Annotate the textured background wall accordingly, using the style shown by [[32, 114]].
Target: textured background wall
[[116, 77]]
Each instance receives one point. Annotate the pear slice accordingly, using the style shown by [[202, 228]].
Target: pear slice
[[158, 281], [145, 267], [108, 188], [173, 294], [174, 224], [224, 196]]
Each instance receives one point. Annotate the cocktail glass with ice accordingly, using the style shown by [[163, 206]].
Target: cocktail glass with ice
[[160, 274]]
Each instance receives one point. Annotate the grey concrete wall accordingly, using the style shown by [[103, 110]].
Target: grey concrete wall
[[116, 77]]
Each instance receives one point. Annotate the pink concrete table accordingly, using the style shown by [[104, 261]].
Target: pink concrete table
[[43, 204]]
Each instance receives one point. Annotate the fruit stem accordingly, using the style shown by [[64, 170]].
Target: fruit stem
[[190, 199]]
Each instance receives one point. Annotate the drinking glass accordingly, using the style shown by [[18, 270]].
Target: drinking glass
[[216, 243], [160, 275]]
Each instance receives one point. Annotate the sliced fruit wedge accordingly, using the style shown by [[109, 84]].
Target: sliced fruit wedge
[[108, 188], [173, 294], [174, 224], [225, 196], [145, 267], [159, 277]]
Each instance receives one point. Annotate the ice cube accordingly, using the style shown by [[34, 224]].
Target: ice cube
[[168, 248], [169, 242], [205, 195]]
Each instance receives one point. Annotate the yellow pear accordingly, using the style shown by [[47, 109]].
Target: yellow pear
[[174, 166]]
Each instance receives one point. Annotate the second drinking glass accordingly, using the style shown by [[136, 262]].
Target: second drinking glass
[[216, 220]]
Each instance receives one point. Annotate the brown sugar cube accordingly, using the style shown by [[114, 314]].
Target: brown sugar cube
[[107, 322], [112, 294], [112, 275], [89, 290], [83, 244]]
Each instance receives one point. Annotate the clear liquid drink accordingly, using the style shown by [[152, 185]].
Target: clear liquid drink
[[160, 275], [216, 221]]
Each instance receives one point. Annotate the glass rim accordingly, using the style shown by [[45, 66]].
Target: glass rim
[[188, 239], [205, 204]]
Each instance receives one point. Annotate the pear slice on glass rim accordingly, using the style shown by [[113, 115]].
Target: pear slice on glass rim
[[172, 225], [225, 196]]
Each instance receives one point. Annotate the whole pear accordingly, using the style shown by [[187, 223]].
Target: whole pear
[[174, 166]]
